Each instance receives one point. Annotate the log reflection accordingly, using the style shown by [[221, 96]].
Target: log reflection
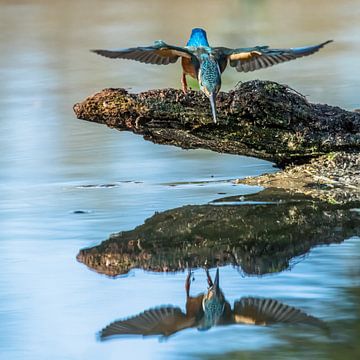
[[258, 238]]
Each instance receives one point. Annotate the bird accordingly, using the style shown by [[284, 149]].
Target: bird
[[206, 63], [207, 310]]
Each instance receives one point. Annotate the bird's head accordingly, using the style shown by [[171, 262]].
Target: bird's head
[[198, 38], [209, 79], [213, 305]]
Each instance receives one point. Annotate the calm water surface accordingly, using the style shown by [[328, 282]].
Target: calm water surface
[[52, 166]]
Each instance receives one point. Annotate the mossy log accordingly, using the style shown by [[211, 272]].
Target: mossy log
[[256, 238], [259, 118]]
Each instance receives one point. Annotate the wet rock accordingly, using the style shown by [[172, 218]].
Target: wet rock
[[334, 177]]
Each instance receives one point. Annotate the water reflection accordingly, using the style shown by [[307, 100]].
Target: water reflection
[[207, 310], [260, 233], [45, 67], [343, 344]]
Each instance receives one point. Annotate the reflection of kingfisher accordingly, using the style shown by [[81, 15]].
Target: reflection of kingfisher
[[206, 63], [207, 310]]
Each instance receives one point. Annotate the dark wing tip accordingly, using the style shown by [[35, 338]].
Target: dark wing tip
[[100, 336], [108, 53], [325, 43], [98, 51]]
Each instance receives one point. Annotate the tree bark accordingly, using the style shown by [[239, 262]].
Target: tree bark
[[259, 118]]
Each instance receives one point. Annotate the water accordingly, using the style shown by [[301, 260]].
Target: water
[[52, 306]]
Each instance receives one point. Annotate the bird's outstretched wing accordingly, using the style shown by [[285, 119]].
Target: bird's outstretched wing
[[259, 57], [165, 320], [160, 53], [258, 311]]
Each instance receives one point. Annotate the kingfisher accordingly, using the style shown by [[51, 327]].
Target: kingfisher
[[207, 310], [206, 63]]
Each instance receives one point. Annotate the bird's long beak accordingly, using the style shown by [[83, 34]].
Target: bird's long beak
[[217, 282], [212, 99]]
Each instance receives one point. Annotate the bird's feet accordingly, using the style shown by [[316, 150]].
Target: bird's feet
[[188, 282], [209, 280], [184, 83]]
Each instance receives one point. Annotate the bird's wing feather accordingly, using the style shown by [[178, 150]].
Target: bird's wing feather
[[259, 57], [262, 311], [160, 53], [165, 320]]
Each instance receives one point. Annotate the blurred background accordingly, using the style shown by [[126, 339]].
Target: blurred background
[[53, 166]]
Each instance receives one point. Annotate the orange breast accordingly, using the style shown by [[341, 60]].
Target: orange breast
[[194, 305], [188, 67]]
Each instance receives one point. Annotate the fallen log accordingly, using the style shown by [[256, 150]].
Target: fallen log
[[318, 145], [260, 118]]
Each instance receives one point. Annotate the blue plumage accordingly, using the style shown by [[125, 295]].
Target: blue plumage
[[209, 78], [210, 75], [198, 38], [308, 50]]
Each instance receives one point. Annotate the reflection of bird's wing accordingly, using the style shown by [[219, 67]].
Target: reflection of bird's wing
[[160, 53], [259, 311], [164, 320], [250, 59]]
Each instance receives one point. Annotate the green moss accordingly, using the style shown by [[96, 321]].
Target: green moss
[[273, 87], [331, 155], [332, 201]]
